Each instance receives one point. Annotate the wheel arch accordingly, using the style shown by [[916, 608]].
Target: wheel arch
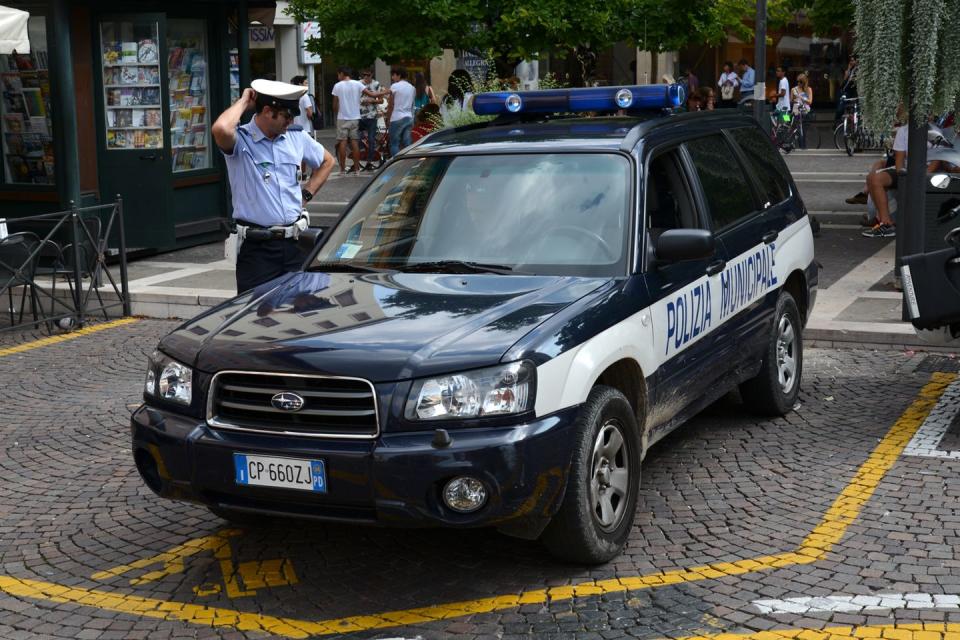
[[796, 285]]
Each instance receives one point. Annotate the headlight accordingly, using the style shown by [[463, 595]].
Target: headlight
[[496, 391], [174, 382]]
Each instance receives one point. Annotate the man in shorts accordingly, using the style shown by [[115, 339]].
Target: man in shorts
[[346, 104]]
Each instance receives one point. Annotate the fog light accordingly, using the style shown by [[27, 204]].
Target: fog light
[[464, 494]]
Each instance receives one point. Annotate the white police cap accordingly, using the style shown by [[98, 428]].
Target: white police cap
[[279, 94]]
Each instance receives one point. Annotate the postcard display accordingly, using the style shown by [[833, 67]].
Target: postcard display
[[234, 76], [26, 124], [131, 85], [189, 117]]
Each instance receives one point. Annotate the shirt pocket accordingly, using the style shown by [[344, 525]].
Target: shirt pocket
[[288, 168]]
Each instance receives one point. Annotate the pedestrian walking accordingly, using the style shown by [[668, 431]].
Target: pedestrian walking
[[346, 104], [263, 164], [748, 80], [783, 91], [305, 118], [370, 113], [728, 83], [424, 93], [399, 110]]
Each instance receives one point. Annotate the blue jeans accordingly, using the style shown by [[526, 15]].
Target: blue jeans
[[368, 129], [399, 135]]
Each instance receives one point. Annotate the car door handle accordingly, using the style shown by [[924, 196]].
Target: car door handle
[[716, 267], [770, 236], [149, 156]]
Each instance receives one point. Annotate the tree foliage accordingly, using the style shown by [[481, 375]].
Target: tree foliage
[[508, 31], [907, 48]]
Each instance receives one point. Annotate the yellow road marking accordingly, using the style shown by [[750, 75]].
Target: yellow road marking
[[43, 342], [901, 631], [845, 509]]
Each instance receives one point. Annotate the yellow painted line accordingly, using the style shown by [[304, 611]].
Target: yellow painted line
[[901, 631], [44, 342], [845, 509]]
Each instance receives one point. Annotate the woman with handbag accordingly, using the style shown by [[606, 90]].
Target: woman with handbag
[[729, 82]]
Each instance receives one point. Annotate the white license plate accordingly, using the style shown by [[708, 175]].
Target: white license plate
[[283, 473]]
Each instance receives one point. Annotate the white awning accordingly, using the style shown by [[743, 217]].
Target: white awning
[[791, 44], [13, 31]]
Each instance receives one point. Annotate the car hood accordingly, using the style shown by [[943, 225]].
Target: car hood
[[381, 327]]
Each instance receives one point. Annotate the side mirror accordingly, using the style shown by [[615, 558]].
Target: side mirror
[[940, 181], [677, 245], [309, 238]]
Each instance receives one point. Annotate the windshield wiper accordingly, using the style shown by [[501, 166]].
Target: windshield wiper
[[344, 266], [455, 266]]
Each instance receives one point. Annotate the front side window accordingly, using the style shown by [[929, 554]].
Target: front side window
[[528, 213], [724, 185]]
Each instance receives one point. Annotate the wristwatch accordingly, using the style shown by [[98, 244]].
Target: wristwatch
[[307, 196]]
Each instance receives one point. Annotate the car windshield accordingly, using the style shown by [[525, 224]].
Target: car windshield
[[555, 214]]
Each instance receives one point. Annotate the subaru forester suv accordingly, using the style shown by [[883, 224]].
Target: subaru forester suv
[[499, 327]]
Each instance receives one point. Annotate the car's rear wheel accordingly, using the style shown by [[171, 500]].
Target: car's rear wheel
[[598, 508], [774, 390]]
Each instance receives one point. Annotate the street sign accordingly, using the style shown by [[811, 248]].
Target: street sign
[[308, 30]]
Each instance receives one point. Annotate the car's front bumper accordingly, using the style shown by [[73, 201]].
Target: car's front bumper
[[396, 479]]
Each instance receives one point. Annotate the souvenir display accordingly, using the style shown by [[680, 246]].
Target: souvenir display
[[131, 85], [25, 118], [188, 86]]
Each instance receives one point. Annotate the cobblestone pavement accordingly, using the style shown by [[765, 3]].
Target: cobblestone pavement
[[745, 525]]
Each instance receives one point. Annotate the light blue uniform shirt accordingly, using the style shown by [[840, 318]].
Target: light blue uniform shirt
[[263, 174]]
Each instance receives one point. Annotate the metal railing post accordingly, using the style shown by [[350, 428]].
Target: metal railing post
[[77, 282], [124, 284]]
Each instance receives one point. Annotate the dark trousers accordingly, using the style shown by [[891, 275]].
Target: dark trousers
[[260, 262]]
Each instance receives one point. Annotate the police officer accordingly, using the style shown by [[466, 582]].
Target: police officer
[[263, 162]]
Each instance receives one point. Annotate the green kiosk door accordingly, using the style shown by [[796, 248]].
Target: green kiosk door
[[133, 149]]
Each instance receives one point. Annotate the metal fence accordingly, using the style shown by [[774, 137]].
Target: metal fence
[[67, 247]]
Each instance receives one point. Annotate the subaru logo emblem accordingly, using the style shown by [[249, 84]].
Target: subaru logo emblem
[[287, 401]]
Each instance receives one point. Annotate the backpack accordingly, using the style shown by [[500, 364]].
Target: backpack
[[317, 120]]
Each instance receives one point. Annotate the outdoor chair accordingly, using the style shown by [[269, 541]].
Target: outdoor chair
[[19, 253]]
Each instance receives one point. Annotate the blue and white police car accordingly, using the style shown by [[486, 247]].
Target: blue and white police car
[[500, 326]]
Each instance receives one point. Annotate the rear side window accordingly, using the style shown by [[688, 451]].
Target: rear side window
[[766, 163], [724, 185]]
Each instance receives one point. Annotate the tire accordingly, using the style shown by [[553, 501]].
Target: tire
[[596, 516], [774, 390], [838, 138], [850, 144]]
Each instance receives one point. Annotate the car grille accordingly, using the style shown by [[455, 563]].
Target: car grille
[[332, 407]]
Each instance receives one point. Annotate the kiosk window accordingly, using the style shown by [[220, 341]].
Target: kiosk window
[[187, 74], [130, 60], [725, 187], [25, 109]]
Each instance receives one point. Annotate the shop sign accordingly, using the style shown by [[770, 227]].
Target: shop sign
[[261, 37]]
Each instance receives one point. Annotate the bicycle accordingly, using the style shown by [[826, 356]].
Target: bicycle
[[787, 131], [851, 136]]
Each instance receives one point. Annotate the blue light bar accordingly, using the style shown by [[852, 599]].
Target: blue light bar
[[629, 98]]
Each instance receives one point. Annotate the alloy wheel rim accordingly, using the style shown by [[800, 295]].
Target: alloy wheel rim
[[609, 476], [786, 354]]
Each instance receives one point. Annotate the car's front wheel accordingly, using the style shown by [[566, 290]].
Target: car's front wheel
[[774, 390], [597, 513]]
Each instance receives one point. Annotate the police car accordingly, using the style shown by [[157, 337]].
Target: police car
[[499, 328]]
